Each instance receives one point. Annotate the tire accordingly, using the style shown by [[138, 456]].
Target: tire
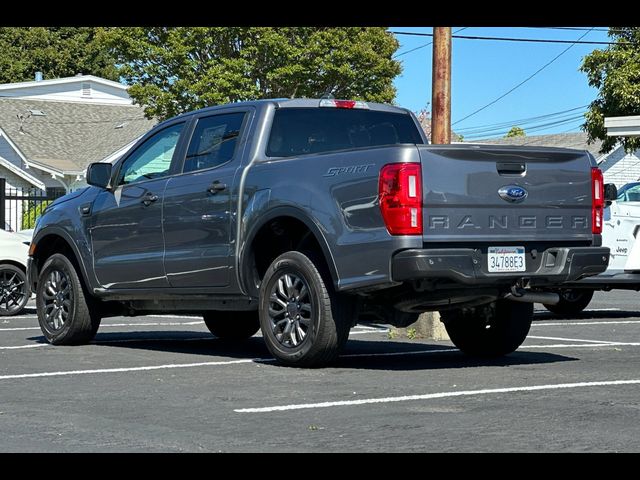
[[491, 330], [572, 301], [299, 333], [232, 325], [67, 315], [14, 291]]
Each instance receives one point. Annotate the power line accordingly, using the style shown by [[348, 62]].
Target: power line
[[576, 28], [519, 121], [542, 126], [425, 45], [511, 39], [524, 81], [502, 130]]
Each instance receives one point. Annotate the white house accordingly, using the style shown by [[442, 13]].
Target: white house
[[628, 126], [50, 130], [617, 166]]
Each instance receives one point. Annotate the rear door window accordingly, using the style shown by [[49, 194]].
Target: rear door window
[[299, 131], [214, 141]]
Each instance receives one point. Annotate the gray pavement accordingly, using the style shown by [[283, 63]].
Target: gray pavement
[[163, 383]]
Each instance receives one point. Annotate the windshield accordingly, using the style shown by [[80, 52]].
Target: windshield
[[629, 193], [299, 131]]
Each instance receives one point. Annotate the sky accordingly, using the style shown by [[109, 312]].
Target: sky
[[483, 70]]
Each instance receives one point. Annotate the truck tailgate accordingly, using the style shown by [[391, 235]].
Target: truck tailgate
[[505, 194]]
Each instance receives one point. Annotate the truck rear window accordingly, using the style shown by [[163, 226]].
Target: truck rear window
[[299, 131]]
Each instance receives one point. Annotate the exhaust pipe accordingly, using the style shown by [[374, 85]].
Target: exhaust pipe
[[522, 295]]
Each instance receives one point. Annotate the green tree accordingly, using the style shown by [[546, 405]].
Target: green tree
[[615, 72], [515, 132], [173, 70], [54, 51]]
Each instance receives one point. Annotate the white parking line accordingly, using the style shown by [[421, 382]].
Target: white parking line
[[251, 360], [562, 324], [590, 345], [110, 325], [15, 329], [613, 309], [362, 332], [570, 339], [430, 396], [127, 369], [150, 324], [18, 347]]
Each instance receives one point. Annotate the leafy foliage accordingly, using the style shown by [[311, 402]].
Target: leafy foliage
[[31, 213], [615, 72], [55, 51], [173, 70], [515, 132]]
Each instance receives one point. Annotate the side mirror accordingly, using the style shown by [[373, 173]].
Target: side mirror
[[99, 174], [610, 193]]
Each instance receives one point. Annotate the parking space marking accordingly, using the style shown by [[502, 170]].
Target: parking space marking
[[129, 369], [150, 324], [362, 332], [18, 347], [567, 345], [110, 325], [431, 396], [570, 339], [562, 324], [15, 329]]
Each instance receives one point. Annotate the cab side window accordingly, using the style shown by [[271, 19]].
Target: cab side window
[[214, 141], [153, 158]]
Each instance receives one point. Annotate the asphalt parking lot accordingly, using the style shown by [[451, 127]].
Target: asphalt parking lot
[[163, 384]]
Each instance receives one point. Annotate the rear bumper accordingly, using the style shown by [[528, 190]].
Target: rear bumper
[[469, 266]]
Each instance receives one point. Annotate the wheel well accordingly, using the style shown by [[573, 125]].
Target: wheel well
[[52, 244], [15, 264], [279, 235]]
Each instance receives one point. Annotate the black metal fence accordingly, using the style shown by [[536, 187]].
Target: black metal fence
[[20, 207]]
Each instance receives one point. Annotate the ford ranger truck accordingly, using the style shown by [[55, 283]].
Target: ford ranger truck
[[300, 217]]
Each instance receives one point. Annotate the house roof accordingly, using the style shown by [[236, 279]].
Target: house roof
[[62, 81], [70, 135], [577, 140], [21, 173]]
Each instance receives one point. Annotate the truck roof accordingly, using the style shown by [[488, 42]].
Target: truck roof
[[283, 103]]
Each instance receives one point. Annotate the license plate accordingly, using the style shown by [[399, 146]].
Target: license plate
[[506, 259]]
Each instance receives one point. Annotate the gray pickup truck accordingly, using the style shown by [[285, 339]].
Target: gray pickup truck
[[300, 217]]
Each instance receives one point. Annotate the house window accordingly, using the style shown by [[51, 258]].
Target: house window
[[86, 89]]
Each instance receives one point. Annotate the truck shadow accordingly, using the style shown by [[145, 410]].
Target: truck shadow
[[358, 353]]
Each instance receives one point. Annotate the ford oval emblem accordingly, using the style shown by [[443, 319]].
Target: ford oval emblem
[[513, 193]]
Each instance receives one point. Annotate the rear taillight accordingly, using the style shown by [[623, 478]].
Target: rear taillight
[[597, 200], [400, 191]]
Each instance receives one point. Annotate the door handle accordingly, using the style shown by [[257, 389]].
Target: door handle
[[216, 187], [149, 198]]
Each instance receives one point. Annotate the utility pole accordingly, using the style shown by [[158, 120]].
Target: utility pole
[[441, 86], [428, 324]]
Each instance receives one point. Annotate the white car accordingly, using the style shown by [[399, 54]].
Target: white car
[[14, 290], [621, 229]]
